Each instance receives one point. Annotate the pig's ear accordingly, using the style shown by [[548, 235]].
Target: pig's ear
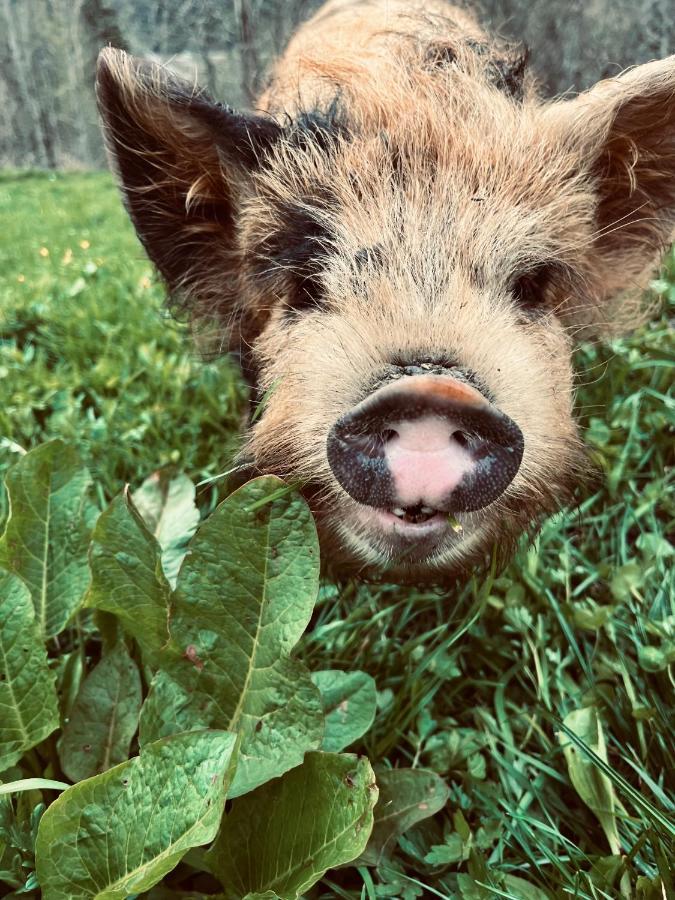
[[183, 163], [626, 129]]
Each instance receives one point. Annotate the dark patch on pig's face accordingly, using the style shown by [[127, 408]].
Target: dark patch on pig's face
[[440, 55], [292, 256], [295, 253], [509, 74], [321, 128], [367, 258]]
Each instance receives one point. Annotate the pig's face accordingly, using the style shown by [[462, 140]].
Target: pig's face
[[405, 289], [415, 360]]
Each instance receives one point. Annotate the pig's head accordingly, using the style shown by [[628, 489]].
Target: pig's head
[[404, 274]]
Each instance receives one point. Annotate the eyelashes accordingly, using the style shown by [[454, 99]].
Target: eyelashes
[[529, 289], [532, 289], [305, 293]]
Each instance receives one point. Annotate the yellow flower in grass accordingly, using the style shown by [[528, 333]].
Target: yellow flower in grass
[[44, 252], [84, 243], [67, 257]]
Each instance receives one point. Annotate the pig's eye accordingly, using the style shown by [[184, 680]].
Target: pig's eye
[[305, 294], [530, 288]]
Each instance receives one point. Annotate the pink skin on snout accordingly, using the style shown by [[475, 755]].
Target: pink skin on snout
[[425, 461]]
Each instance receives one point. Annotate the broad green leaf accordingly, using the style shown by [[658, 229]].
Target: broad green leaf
[[407, 796], [244, 597], [170, 708], [649, 888], [47, 534], [127, 577], [120, 832], [606, 871], [103, 719], [285, 835], [167, 506], [457, 847], [592, 785], [289, 720], [349, 702], [28, 703]]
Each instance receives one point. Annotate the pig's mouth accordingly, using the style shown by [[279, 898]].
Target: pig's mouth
[[417, 531], [414, 515], [406, 543]]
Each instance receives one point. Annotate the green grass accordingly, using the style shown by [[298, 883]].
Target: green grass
[[86, 353], [473, 684]]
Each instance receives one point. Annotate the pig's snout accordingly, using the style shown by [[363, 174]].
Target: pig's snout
[[425, 443]]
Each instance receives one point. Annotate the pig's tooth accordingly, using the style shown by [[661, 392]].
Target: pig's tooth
[[398, 511], [427, 510]]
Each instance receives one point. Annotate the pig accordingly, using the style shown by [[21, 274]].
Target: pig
[[403, 243]]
